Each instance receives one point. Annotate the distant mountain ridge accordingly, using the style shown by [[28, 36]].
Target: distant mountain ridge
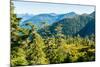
[[79, 24], [24, 17], [71, 23], [89, 27], [48, 18]]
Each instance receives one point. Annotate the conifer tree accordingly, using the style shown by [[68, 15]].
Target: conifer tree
[[35, 49], [18, 56]]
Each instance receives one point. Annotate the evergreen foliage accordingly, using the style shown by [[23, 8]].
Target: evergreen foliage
[[30, 47]]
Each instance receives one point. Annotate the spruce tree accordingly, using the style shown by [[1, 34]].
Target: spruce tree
[[18, 56], [35, 50]]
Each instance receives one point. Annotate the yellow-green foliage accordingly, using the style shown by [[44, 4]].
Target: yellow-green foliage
[[37, 50], [28, 47], [18, 57]]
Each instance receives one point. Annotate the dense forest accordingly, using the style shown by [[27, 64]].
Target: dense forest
[[65, 41]]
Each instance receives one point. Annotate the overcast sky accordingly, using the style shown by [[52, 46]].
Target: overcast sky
[[39, 8]]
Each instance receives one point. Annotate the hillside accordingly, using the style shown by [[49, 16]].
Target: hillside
[[80, 24], [47, 18]]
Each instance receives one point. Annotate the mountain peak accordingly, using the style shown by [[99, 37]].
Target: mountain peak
[[53, 14], [92, 14], [71, 13]]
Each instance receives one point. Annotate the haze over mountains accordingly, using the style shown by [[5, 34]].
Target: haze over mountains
[[80, 24], [48, 18], [71, 23]]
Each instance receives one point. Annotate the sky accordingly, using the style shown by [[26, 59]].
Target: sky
[[41, 8]]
